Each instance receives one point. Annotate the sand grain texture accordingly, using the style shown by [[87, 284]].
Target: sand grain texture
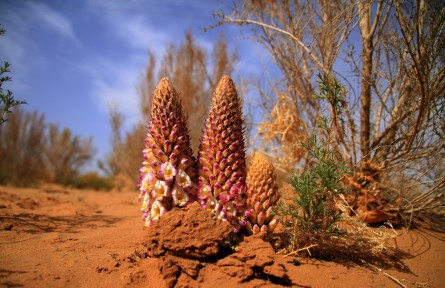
[[54, 237]]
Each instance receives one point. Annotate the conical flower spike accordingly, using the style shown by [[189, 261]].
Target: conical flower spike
[[221, 156], [262, 194], [167, 173]]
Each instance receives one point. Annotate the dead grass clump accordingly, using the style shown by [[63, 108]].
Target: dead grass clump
[[352, 241], [415, 199], [284, 130], [32, 151]]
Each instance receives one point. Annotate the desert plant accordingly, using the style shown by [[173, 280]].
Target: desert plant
[[7, 101], [221, 157], [318, 224], [262, 195], [316, 188], [168, 171], [321, 181], [319, 220]]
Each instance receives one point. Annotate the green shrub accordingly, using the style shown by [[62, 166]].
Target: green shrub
[[321, 180], [312, 221], [314, 208]]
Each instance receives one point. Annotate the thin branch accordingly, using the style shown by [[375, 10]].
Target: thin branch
[[230, 20]]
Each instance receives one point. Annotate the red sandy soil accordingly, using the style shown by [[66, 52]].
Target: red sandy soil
[[55, 237]]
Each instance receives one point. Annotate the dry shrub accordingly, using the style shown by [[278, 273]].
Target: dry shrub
[[65, 153], [394, 109], [124, 161], [283, 130], [122, 182], [367, 198], [403, 196], [415, 202], [352, 241], [22, 140], [32, 151]]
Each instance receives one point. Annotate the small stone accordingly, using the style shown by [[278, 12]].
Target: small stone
[[8, 227]]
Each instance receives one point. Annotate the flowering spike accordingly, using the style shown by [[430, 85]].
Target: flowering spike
[[262, 194], [168, 170], [221, 156]]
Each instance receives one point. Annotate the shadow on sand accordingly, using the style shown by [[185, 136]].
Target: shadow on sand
[[36, 223], [6, 273]]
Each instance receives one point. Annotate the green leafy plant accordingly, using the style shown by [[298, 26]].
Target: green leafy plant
[[320, 182], [7, 101], [316, 188], [317, 221]]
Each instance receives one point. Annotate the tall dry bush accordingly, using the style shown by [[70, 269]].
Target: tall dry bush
[[65, 153], [195, 74], [123, 162], [22, 141], [390, 56], [31, 151]]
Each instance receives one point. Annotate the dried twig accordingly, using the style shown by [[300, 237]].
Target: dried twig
[[302, 249], [384, 273]]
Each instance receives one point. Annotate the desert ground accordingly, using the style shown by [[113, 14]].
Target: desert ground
[[58, 237]]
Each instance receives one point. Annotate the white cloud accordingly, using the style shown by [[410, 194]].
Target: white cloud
[[115, 85], [131, 28], [115, 81], [55, 20], [139, 35], [17, 46]]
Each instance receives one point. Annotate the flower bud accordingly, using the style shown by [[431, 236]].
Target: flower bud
[[221, 156], [262, 193]]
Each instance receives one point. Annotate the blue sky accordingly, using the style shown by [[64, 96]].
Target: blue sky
[[72, 59]]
